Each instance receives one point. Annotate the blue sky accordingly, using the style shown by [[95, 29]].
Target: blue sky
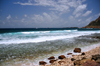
[[47, 13]]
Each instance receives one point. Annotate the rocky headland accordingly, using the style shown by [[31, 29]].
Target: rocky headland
[[94, 24]]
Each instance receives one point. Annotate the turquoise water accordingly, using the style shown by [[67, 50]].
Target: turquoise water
[[33, 46]]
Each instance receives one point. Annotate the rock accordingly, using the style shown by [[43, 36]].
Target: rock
[[42, 63], [95, 57], [61, 57], [77, 50], [61, 62], [98, 56], [76, 65], [83, 53], [72, 59], [80, 62], [94, 24], [97, 37], [98, 61], [73, 55], [69, 53], [83, 58], [90, 63], [51, 61], [50, 58], [77, 62]]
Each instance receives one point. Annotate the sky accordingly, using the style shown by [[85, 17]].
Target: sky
[[48, 13]]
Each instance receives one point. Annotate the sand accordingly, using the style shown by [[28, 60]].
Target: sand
[[68, 62]]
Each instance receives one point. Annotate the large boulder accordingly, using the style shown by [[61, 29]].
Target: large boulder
[[61, 57], [77, 50], [42, 63], [51, 58]]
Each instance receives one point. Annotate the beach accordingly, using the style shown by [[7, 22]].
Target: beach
[[28, 48], [69, 62]]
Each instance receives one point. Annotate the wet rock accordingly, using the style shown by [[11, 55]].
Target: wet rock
[[52, 61], [72, 59], [97, 37], [42, 63], [77, 50], [69, 53], [61, 57], [90, 63], [50, 58], [83, 53]]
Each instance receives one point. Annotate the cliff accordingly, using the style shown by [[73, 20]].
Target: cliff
[[94, 24]]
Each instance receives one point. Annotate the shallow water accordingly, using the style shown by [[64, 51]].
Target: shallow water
[[34, 46]]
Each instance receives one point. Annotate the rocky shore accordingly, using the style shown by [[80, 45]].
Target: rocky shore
[[89, 58]]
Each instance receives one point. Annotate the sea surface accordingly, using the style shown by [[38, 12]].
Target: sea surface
[[29, 46]]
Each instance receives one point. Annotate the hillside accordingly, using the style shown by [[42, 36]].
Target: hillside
[[94, 24]]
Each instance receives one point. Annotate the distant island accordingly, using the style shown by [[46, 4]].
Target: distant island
[[94, 24]]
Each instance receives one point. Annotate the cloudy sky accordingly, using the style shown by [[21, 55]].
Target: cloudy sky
[[47, 13]]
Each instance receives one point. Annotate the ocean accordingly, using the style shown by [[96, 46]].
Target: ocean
[[30, 45]]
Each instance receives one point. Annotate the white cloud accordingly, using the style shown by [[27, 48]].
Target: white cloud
[[79, 20], [37, 18], [24, 3], [58, 5], [78, 14], [25, 15], [9, 17], [75, 3], [97, 15], [87, 13], [54, 5], [79, 9], [71, 17], [22, 20], [88, 19], [46, 19], [16, 17]]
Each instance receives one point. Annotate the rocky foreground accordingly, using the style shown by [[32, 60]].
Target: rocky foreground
[[90, 58]]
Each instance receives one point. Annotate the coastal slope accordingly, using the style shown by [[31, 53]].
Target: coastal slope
[[94, 24]]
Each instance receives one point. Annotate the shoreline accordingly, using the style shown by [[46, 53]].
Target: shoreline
[[68, 62], [89, 51]]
